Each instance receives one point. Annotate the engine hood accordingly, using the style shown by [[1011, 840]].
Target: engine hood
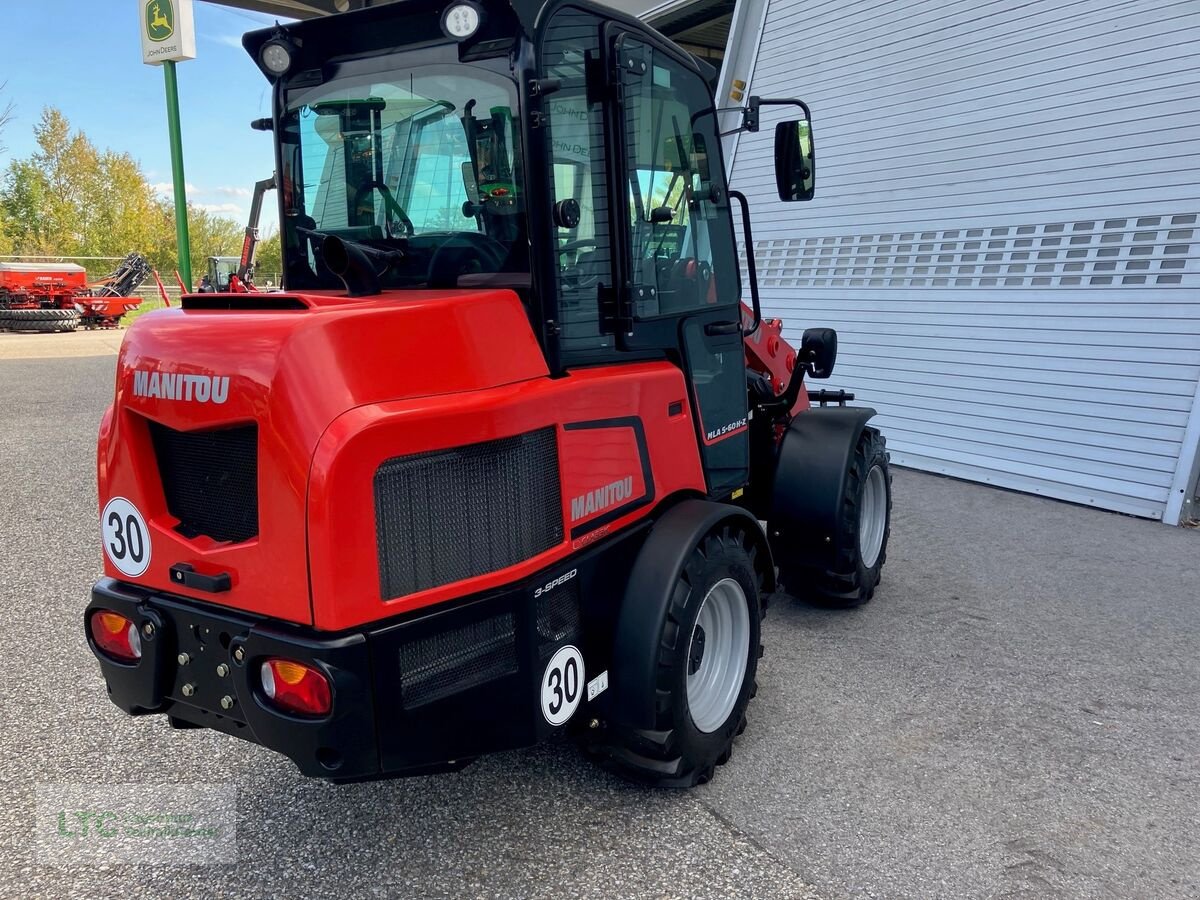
[[289, 364]]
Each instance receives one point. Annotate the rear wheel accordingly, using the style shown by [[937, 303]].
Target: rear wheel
[[707, 661], [863, 527]]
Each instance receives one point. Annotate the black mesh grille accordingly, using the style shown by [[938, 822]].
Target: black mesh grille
[[210, 479], [558, 618], [444, 516], [451, 661]]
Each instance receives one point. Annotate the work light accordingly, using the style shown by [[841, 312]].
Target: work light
[[461, 20], [276, 56]]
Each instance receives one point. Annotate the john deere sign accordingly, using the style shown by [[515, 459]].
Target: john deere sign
[[168, 32], [160, 20]]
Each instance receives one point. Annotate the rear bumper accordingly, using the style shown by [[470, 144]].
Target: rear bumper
[[430, 690]]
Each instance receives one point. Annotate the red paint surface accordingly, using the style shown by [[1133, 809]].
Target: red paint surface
[[341, 386]]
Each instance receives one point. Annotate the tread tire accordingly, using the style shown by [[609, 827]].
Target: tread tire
[[850, 583], [675, 753], [44, 326], [40, 315]]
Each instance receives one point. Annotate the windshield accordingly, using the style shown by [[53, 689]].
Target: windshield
[[424, 161]]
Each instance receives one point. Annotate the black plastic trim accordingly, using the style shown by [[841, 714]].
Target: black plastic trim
[[370, 733], [185, 574]]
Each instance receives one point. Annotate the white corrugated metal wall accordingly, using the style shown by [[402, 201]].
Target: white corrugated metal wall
[[1005, 232]]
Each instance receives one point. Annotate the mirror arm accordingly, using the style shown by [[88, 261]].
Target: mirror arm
[[756, 102], [750, 112], [748, 238]]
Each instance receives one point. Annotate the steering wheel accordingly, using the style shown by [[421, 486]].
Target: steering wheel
[[394, 210], [570, 276], [464, 253]]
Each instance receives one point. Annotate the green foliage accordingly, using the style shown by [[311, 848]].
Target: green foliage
[[211, 236], [71, 199], [270, 258], [7, 110]]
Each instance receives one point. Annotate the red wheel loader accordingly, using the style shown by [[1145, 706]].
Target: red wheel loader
[[497, 461]]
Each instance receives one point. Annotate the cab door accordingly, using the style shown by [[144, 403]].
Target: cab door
[[677, 254]]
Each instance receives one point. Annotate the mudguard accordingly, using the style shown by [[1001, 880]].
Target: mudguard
[[648, 595], [809, 483]]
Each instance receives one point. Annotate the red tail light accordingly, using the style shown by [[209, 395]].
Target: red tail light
[[116, 635], [295, 687]]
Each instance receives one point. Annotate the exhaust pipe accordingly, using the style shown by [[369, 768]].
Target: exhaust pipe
[[355, 265]]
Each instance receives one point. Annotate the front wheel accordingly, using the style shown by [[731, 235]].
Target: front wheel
[[707, 661], [864, 525]]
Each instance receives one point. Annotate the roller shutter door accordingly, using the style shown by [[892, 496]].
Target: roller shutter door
[[1005, 232]]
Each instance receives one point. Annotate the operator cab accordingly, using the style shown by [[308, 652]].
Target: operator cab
[[562, 150], [422, 163], [220, 270]]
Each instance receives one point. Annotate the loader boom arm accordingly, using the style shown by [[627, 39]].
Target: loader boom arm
[[245, 268]]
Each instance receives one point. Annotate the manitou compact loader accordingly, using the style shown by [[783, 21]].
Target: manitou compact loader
[[497, 460]]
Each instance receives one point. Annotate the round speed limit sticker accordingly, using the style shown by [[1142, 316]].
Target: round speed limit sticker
[[562, 685], [126, 539]]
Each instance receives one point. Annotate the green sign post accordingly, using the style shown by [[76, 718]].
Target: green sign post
[[182, 239], [168, 35]]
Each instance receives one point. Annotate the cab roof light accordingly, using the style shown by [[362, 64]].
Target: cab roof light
[[462, 20]]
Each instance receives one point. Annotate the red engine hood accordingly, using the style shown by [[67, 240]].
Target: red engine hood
[[291, 371]]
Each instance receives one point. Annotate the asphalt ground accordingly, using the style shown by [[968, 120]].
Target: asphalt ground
[[1014, 715]]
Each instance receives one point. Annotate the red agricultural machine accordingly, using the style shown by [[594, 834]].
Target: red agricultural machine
[[58, 296], [508, 455]]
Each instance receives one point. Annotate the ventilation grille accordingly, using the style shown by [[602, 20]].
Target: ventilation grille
[[558, 618], [1155, 250], [444, 516], [448, 662], [210, 480]]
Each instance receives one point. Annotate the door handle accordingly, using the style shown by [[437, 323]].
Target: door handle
[[713, 328]]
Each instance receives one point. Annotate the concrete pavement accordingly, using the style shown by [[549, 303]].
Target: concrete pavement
[[1015, 715]]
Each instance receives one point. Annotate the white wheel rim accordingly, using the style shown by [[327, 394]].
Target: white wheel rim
[[718, 654], [872, 516]]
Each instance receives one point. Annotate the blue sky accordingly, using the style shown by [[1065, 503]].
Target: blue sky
[[84, 56]]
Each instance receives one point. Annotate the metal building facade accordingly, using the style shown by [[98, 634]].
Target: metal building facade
[[1005, 231]]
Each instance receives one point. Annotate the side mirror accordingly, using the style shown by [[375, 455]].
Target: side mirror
[[795, 160], [818, 351]]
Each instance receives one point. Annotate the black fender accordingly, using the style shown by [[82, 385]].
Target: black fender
[[648, 591], [809, 482]]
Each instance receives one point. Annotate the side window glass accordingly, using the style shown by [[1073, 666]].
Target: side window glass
[[682, 252], [570, 50]]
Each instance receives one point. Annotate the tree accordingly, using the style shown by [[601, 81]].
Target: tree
[[7, 112], [211, 235], [60, 200], [270, 257], [71, 199]]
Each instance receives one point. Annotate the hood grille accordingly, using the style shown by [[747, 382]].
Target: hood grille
[[210, 480], [447, 515]]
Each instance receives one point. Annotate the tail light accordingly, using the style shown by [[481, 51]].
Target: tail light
[[296, 688], [116, 635]]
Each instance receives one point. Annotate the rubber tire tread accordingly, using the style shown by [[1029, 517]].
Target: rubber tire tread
[[675, 753], [43, 326], [849, 583], [39, 315]]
